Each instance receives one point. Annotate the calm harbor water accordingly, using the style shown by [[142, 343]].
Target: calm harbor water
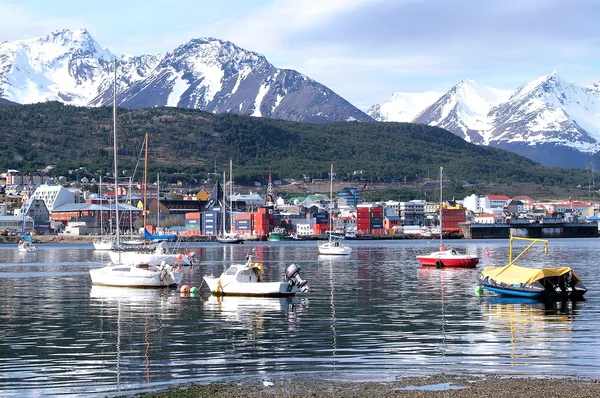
[[372, 316]]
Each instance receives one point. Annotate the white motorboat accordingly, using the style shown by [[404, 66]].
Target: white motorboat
[[334, 245], [245, 279], [137, 275]]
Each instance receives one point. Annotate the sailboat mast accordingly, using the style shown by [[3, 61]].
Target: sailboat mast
[[330, 202], [441, 205], [223, 206], [145, 181], [158, 202], [115, 152], [101, 204], [230, 195]]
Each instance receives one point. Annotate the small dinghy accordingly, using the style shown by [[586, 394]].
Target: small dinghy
[[245, 279], [560, 283]]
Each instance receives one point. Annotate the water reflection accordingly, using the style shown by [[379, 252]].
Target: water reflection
[[533, 328], [373, 315], [130, 320]]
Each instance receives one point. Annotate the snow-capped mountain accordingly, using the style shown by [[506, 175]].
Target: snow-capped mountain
[[208, 74], [403, 107], [547, 120]]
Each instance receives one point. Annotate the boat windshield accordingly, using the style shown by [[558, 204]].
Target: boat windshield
[[231, 271]]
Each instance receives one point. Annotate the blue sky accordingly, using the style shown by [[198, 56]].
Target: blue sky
[[364, 50]]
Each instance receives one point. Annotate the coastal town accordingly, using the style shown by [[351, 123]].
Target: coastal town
[[33, 203]]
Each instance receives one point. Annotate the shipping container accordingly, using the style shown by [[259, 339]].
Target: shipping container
[[193, 215]]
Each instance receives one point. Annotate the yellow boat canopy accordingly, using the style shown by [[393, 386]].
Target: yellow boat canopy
[[513, 274]]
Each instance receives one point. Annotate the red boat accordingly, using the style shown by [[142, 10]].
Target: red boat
[[448, 258]]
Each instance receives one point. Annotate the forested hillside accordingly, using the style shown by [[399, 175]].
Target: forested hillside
[[188, 144]]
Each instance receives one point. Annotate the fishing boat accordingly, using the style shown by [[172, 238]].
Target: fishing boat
[[245, 279], [443, 257], [228, 236], [334, 245], [560, 283], [26, 245], [137, 271]]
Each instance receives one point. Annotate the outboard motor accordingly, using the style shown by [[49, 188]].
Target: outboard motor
[[292, 275]]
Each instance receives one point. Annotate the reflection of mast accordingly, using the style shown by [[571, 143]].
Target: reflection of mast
[[147, 351], [118, 343], [333, 319]]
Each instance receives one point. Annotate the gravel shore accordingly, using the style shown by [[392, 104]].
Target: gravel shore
[[413, 387]]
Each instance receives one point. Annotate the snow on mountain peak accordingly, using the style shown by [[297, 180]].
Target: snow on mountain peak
[[403, 107]]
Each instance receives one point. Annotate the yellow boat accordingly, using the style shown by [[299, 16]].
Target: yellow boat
[[560, 283]]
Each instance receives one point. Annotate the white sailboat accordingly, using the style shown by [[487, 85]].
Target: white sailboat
[[334, 245], [153, 253], [138, 273], [228, 236]]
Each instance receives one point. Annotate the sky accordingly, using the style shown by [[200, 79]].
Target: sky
[[364, 50]]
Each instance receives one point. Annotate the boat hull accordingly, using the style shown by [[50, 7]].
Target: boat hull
[[446, 262], [449, 258], [258, 289], [136, 276], [536, 290], [230, 240], [515, 293]]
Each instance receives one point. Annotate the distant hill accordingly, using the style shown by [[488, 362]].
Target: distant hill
[[186, 145], [5, 102]]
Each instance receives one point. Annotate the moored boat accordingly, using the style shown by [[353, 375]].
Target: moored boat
[[446, 258], [26, 245], [334, 245], [558, 283], [245, 279], [141, 275]]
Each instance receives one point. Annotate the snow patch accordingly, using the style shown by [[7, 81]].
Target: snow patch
[[262, 91], [179, 87]]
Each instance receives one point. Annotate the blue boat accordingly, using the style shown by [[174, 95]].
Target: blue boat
[[560, 283]]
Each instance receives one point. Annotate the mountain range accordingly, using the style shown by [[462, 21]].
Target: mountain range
[[207, 74], [548, 120]]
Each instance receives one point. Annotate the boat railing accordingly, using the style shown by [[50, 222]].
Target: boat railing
[[533, 242]]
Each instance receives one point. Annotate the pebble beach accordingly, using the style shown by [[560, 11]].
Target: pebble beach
[[413, 387]]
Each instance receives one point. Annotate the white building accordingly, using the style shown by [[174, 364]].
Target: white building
[[55, 196], [16, 224], [485, 203]]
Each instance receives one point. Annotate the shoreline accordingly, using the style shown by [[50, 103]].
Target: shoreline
[[475, 386]]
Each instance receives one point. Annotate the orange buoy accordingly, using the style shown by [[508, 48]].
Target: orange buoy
[[185, 289], [179, 257], [487, 254]]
